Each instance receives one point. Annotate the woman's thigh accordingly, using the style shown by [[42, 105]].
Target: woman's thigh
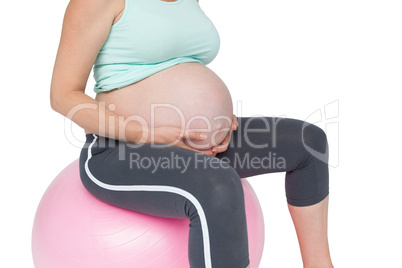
[[177, 183], [124, 174], [272, 144]]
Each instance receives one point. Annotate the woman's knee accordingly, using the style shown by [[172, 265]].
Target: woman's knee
[[314, 137], [306, 139], [308, 182]]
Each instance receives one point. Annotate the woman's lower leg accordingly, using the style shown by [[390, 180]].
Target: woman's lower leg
[[301, 150], [311, 227]]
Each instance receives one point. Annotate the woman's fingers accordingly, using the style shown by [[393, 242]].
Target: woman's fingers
[[195, 135], [220, 148], [199, 136], [224, 145], [235, 123]]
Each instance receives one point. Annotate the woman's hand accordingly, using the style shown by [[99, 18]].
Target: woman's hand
[[225, 143], [174, 136]]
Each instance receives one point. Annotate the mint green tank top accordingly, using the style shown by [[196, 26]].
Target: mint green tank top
[[153, 35]]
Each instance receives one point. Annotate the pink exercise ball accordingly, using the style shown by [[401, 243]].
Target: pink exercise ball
[[73, 229]]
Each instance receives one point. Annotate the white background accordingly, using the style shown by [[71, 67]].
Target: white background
[[282, 58]]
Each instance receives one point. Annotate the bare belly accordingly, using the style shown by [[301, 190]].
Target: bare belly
[[186, 95]]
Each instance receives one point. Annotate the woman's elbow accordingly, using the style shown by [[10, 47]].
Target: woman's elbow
[[54, 101], [59, 100]]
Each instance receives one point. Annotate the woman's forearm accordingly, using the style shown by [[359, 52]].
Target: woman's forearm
[[93, 116]]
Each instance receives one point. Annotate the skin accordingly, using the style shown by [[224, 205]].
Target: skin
[[311, 224], [85, 29], [188, 95]]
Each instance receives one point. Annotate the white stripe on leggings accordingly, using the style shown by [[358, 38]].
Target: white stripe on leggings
[[159, 188]]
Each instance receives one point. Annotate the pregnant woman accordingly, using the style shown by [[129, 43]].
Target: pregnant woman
[[161, 137]]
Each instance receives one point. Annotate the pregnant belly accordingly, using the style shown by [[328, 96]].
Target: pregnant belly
[[186, 95]]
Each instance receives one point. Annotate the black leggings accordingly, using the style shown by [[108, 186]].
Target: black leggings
[[182, 183]]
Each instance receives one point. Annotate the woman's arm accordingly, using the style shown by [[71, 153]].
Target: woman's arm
[[225, 143], [86, 26]]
